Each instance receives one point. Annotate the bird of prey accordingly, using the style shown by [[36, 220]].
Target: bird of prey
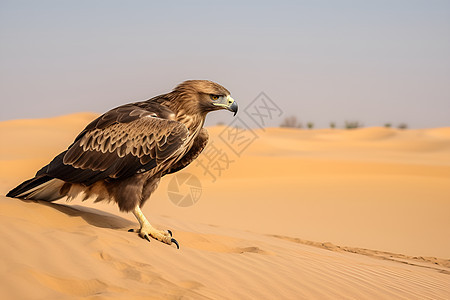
[[122, 155]]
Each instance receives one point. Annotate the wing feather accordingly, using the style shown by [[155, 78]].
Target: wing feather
[[118, 144]]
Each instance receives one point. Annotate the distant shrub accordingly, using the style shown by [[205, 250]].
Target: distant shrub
[[332, 125], [388, 125], [352, 124], [402, 126], [310, 125], [291, 122]]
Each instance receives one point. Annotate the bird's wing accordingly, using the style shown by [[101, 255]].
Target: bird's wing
[[197, 147], [125, 141]]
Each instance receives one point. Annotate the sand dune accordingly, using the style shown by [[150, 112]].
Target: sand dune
[[300, 214]]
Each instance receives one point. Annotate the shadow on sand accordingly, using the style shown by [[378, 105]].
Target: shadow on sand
[[92, 216]]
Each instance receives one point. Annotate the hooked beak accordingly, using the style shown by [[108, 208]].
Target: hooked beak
[[233, 107], [228, 103]]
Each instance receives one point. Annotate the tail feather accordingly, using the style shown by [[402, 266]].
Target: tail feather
[[38, 188]]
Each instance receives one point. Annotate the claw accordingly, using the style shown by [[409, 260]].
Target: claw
[[147, 237], [175, 242]]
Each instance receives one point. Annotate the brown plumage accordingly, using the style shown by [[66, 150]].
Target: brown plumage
[[122, 155]]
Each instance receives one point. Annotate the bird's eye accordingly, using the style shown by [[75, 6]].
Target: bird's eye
[[214, 97]]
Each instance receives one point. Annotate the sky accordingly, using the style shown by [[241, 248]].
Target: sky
[[374, 62]]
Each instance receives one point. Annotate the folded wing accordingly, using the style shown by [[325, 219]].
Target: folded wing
[[119, 144]]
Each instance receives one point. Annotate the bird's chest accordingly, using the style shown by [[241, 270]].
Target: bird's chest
[[188, 143]]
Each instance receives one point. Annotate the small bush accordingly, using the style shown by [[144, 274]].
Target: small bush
[[332, 125], [310, 125], [388, 125], [352, 124], [291, 122], [402, 126]]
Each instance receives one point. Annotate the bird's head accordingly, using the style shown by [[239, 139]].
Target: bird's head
[[207, 95]]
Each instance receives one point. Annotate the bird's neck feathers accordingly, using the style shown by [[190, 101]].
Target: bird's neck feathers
[[184, 104], [193, 122]]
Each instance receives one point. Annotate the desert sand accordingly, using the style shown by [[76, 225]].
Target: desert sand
[[298, 214]]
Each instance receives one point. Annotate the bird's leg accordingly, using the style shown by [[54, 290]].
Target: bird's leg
[[147, 230]]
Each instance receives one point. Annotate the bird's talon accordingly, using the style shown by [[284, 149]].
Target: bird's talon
[[164, 236], [175, 242]]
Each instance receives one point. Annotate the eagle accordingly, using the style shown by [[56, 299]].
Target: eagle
[[122, 155]]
